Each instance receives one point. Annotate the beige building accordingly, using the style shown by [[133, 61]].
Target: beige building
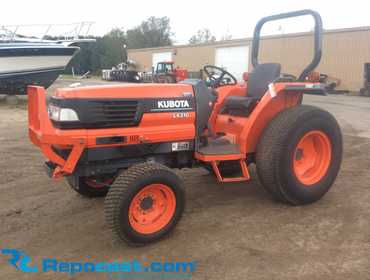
[[344, 53]]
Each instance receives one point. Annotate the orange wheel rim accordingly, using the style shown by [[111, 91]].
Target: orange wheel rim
[[312, 157], [152, 208]]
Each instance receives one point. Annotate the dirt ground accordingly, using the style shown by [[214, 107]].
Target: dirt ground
[[233, 231]]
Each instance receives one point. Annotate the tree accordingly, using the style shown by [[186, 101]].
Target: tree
[[203, 36], [87, 59], [106, 52], [154, 32], [113, 47]]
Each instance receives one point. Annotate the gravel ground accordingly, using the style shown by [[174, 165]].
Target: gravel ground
[[233, 231]]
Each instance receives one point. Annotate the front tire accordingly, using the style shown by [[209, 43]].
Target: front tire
[[299, 155], [144, 204]]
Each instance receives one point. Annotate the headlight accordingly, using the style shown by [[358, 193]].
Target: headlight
[[62, 114], [54, 112]]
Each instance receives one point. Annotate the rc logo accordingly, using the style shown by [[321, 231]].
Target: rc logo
[[19, 260], [116, 269]]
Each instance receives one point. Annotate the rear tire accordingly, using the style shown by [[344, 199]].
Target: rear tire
[[299, 155], [144, 204]]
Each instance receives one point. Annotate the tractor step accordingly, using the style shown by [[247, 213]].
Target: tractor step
[[220, 146], [244, 168], [219, 149]]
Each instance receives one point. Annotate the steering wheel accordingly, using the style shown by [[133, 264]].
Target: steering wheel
[[218, 76]]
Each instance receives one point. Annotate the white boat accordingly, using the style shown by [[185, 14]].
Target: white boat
[[23, 64], [31, 61]]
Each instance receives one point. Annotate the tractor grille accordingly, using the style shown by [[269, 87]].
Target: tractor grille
[[95, 113], [114, 113], [100, 113]]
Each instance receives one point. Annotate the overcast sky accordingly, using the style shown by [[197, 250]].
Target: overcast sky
[[236, 18]]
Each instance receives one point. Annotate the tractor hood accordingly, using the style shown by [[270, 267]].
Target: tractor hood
[[129, 91], [117, 106]]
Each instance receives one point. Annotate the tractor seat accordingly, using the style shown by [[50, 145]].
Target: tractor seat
[[258, 82], [239, 105]]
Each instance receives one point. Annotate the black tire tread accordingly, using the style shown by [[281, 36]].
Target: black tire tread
[[122, 188], [272, 142]]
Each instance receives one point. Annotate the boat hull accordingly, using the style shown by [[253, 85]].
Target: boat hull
[[25, 65], [17, 83]]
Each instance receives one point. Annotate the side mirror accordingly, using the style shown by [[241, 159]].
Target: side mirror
[[245, 76]]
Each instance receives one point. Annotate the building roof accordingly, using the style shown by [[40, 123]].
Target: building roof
[[242, 41]]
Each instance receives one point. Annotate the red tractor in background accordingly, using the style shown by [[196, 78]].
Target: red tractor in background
[[165, 72]]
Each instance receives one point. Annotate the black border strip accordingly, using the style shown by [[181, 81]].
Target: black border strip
[[27, 72], [37, 51]]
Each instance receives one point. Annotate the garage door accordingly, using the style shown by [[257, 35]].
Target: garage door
[[233, 59], [160, 57]]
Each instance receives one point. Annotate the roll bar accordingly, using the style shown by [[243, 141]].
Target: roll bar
[[317, 45]]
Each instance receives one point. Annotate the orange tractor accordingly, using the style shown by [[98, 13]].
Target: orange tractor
[[124, 141], [165, 72]]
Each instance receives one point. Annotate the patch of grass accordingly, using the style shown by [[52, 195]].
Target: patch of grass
[[77, 78]]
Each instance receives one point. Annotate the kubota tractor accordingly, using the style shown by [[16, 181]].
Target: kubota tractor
[[165, 72], [124, 141]]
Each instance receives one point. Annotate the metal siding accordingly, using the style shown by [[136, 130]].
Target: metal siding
[[194, 58], [161, 57], [344, 54], [233, 59], [143, 59]]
